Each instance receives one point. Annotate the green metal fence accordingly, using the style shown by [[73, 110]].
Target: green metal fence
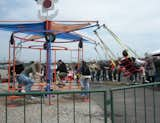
[[136, 104], [131, 104], [53, 107]]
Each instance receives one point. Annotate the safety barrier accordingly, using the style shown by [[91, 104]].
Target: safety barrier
[[131, 104], [136, 104], [54, 107]]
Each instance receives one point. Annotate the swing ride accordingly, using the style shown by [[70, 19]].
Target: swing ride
[[47, 33]]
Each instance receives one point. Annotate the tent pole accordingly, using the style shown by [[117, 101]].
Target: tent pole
[[9, 66], [55, 66], [14, 63]]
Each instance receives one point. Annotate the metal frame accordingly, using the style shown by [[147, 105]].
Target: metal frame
[[123, 89]]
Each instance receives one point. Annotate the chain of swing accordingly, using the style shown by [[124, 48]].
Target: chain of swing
[[107, 50]]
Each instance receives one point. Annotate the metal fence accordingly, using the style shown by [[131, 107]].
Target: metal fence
[[136, 104], [53, 107], [131, 104]]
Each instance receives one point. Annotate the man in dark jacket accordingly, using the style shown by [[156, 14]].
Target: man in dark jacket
[[84, 79], [62, 69]]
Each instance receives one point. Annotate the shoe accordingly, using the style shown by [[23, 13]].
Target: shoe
[[23, 91], [146, 81], [32, 98]]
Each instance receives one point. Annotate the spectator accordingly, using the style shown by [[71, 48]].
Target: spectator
[[110, 70], [62, 69], [150, 69], [104, 72], [115, 71], [85, 76], [93, 71], [98, 72]]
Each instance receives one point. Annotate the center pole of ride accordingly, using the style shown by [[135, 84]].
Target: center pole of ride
[[50, 38], [49, 73], [48, 41]]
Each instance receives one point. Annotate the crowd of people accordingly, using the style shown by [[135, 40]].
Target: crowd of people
[[127, 69]]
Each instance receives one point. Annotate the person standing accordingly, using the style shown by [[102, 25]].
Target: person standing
[[98, 72], [84, 79], [62, 69], [150, 69], [93, 71]]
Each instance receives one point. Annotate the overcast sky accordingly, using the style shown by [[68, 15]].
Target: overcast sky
[[136, 22]]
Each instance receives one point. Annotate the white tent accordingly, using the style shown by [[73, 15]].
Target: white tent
[[156, 53]]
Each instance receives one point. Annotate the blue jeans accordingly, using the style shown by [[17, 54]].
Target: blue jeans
[[26, 81], [85, 85]]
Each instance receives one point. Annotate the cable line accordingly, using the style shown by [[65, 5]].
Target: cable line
[[117, 39]]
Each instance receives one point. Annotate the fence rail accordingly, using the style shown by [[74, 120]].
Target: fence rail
[[57, 107]]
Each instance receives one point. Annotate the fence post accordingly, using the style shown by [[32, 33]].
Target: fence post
[[57, 108], [154, 106], [105, 106], [41, 110], [112, 106], [74, 114], [125, 110], [24, 102], [90, 115], [135, 105], [6, 110], [145, 111]]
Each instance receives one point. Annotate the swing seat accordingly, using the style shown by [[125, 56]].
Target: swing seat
[[128, 67]]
